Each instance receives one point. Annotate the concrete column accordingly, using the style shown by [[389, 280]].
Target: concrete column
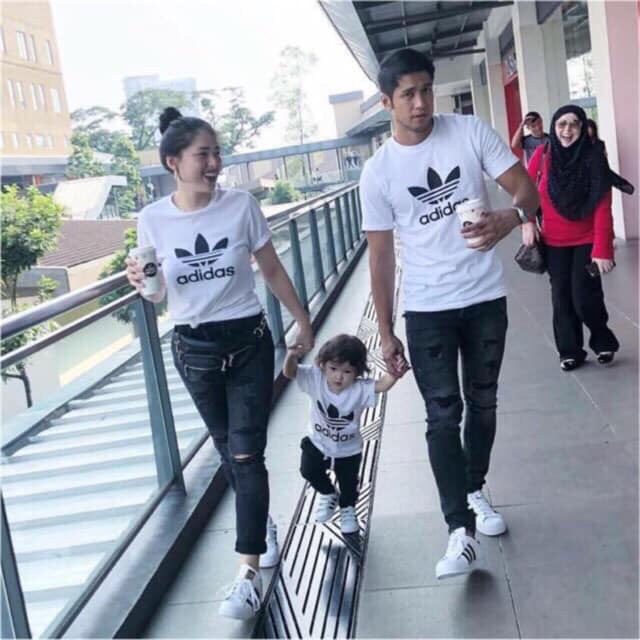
[[495, 83], [541, 56], [480, 94], [614, 49], [444, 104]]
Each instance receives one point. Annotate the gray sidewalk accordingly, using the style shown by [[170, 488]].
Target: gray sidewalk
[[564, 473]]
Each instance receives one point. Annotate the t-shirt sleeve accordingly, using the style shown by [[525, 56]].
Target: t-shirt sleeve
[[259, 233], [305, 378], [368, 390], [495, 154], [377, 213]]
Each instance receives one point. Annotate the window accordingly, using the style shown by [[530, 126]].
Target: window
[[66, 142], [43, 102], [50, 141], [32, 49], [1, 140], [14, 139], [22, 44], [20, 95], [49, 49], [34, 97], [55, 100], [27, 138], [12, 97], [2, 44], [39, 140]]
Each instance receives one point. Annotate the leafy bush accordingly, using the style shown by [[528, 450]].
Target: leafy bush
[[283, 191]]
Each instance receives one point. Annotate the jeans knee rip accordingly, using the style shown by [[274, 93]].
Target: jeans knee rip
[[435, 351], [446, 401]]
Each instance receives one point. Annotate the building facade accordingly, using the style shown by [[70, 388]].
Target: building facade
[[35, 115]]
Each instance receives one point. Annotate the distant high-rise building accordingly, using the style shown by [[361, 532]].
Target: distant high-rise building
[[133, 84], [35, 115]]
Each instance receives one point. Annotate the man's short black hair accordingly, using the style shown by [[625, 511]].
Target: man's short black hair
[[398, 64], [534, 115]]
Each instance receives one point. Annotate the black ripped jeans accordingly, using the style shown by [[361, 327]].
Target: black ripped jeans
[[435, 339], [227, 367]]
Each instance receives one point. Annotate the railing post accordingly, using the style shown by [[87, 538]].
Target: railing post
[[343, 243], [15, 623], [347, 220], [357, 210], [317, 253], [274, 314], [298, 268], [165, 442], [331, 245], [354, 215]]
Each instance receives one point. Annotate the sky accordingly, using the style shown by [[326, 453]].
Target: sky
[[218, 42]]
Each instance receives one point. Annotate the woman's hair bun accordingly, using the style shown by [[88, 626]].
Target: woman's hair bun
[[167, 117]]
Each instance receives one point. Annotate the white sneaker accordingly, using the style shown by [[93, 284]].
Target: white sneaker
[[463, 555], [271, 556], [326, 506], [349, 520], [242, 601], [488, 521]]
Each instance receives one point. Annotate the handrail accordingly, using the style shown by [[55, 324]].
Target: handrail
[[19, 322]]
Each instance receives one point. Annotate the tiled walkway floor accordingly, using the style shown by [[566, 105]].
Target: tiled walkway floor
[[564, 474]]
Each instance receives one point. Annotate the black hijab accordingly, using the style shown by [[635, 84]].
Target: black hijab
[[579, 174]]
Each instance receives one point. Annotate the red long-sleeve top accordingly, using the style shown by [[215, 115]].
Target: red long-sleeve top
[[557, 231]]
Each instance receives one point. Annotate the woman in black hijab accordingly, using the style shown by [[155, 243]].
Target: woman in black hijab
[[574, 183]]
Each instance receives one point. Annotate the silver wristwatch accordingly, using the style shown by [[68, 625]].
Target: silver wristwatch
[[524, 218]]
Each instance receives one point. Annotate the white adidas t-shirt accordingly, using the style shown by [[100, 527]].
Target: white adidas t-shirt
[[205, 255], [335, 417], [415, 189]]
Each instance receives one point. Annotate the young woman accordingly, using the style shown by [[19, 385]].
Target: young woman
[[204, 238], [577, 230]]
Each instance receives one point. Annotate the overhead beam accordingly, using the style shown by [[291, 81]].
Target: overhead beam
[[452, 53], [380, 26], [442, 35]]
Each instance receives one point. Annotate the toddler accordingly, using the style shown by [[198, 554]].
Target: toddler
[[339, 395]]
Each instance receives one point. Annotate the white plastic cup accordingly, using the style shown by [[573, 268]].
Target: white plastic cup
[[147, 260], [469, 212]]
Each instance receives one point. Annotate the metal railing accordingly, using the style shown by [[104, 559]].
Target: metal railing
[[317, 242]]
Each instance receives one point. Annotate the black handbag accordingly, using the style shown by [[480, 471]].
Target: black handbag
[[532, 258]]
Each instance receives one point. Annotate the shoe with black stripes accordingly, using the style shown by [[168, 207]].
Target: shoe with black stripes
[[242, 600], [463, 555]]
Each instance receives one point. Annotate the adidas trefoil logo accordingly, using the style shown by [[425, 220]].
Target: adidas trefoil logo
[[202, 256], [333, 418], [437, 191]]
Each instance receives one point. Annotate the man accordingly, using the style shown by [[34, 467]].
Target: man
[[537, 136], [454, 296]]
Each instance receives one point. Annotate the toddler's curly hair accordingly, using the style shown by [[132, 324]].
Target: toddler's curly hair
[[345, 348]]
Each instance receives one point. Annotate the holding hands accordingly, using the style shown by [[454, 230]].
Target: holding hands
[[394, 358]]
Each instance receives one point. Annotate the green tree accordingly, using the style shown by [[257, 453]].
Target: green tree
[[238, 127], [92, 122], [142, 111], [125, 163], [283, 191], [30, 223], [82, 162], [288, 92]]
